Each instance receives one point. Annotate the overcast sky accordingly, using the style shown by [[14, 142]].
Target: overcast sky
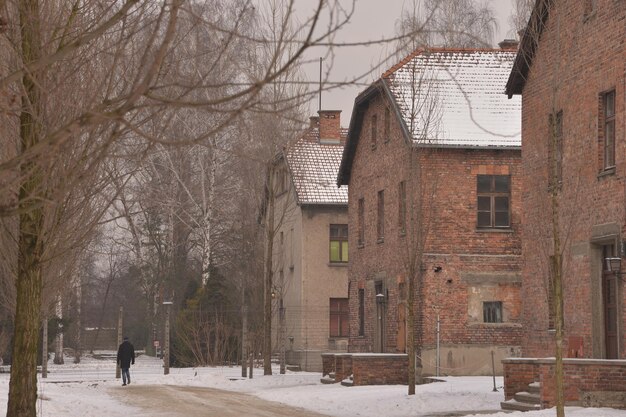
[[372, 19]]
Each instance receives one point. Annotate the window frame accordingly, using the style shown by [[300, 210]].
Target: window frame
[[361, 222], [607, 119], [373, 130], [402, 208], [492, 309], [387, 125], [361, 311], [492, 194], [341, 314], [341, 238], [380, 220]]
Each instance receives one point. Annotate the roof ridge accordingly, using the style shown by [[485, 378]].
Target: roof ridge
[[437, 49]]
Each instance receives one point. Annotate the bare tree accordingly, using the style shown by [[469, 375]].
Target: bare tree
[[448, 23], [119, 55], [520, 15]]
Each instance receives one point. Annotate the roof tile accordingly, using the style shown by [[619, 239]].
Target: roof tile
[[314, 169], [455, 97]]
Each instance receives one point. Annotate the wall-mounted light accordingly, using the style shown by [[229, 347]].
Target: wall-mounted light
[[613, 265], [380, 298]]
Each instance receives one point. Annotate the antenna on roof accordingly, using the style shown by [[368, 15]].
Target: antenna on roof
[[319, 107]]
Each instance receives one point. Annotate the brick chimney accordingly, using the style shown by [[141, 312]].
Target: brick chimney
[[330, 126], [509, 44]]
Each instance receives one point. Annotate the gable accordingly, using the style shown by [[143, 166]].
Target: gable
[[528, 47], [455, 98], [444, 98]]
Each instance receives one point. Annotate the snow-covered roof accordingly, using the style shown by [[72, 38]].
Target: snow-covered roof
[[455, 97], [313, 167]]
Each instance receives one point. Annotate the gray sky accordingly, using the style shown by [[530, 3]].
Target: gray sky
[[372, 19]]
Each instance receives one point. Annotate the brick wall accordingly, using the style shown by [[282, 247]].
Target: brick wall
[[518, 373], [328, 363], [343, 366], [381, 369], [578, 58], [587, 382], [476, 265]]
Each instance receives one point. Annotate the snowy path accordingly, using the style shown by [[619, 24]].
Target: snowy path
[[174, 401], [90, 389]]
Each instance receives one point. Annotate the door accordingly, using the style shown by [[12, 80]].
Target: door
[[609, 301], [379, 300]]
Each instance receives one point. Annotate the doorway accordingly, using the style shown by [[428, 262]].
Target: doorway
[[610, 305], [379, 300]]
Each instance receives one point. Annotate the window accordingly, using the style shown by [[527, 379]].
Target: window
[[361, 312], [361, 214], [374, 127], [387, 125], [281, 180], [492, 312], [607, 128], [339, 243], [555, 151], [291, 244], [338, 317], [381, 216], [402, 207], [493, 193]]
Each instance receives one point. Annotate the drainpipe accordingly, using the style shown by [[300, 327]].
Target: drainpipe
[[438, 356]]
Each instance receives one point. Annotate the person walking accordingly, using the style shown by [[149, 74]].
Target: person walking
[[125, 357]]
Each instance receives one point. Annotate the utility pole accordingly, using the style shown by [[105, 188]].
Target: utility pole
[[166, 348], [120, 323]]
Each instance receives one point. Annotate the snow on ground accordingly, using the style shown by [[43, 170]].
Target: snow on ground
[[84, 390]]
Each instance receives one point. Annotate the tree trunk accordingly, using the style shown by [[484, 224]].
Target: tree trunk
[[23, 384], [281, 336], [558, 275], [410, 330], [244, 339], [44, 350], [58, 344], [269, 250]]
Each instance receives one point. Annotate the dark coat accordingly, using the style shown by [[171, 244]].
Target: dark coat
[[126, 354]]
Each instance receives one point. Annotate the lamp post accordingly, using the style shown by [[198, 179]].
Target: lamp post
[[120, 326], [166, 347]]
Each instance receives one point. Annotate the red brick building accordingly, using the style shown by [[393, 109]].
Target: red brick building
[[571, 73], [433, 162]]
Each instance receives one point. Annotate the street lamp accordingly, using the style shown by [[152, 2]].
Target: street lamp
[[166, 347]]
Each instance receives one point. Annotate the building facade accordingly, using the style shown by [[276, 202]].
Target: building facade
[[311, 246], [571, 73], [433, 167]]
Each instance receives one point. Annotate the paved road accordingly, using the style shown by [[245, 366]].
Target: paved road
[[173, 401]]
